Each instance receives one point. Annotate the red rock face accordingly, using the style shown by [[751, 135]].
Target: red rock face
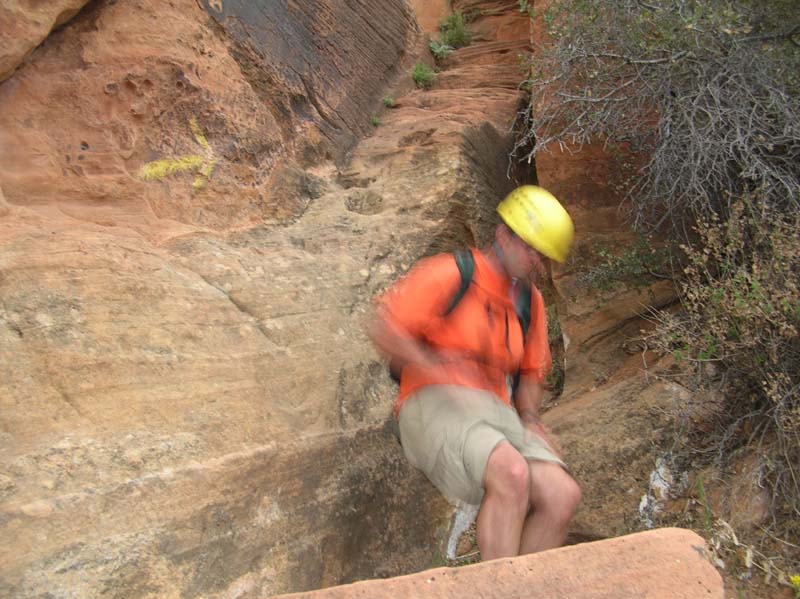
[[24, 25], [188, 403], [275, 89]]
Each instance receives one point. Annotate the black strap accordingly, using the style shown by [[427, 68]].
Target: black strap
[[522, 306], [466, 268]]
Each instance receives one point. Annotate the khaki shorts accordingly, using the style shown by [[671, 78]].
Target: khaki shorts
[[449, 432]]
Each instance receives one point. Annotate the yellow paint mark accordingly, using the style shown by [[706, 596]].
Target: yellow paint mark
[[202, 165], [198, 134], [158, 169]]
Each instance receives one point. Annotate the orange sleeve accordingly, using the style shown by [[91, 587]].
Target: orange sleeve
[[422, 295], [537, 361]]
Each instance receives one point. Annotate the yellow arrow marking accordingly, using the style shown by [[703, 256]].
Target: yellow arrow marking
[[203, 165]]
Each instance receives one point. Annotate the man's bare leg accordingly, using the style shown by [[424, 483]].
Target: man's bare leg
[[554, 497], [505, 503]]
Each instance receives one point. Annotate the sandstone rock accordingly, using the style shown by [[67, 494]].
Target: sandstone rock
[[610, 462], [275, 516], [253, 97], [25, 25], [430, 14], [662, 564], [188, 402], [190, 406]]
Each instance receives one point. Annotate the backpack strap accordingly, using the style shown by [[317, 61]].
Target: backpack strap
[[522, 306], [466, 268]]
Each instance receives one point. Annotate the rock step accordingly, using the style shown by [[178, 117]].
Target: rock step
[[660, 564]]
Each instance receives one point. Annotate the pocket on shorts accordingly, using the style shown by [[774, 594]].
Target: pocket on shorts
[[419, 447]]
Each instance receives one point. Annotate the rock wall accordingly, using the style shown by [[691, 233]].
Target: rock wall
[[253, 94], [197, 212], [188, 404], [613, 418], [25, 24]]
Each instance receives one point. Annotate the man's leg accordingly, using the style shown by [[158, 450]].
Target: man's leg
[[505, 503], [554, 497]]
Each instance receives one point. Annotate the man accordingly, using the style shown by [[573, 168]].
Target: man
[[459, 421]]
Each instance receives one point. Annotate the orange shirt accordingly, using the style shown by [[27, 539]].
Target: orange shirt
[[482, 334]]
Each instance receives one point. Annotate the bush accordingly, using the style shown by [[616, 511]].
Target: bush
[[454, 32], [708, 89], [439, 50], [423, 75], [738, 333], [635, 266], [708, 92], [376, 120], [389, 102]]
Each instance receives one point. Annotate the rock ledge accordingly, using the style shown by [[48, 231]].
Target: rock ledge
[[660, 564]]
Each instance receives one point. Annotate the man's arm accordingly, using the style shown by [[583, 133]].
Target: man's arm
[[398, 344], [528, 400], [406, 308]]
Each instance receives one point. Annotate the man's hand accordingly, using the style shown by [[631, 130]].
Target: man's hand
[[543, 433], [528, 400]]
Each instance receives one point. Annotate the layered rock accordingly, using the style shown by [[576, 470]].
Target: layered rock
[[188, 404], [248, 98]]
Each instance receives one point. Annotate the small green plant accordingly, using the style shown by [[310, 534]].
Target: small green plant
[[376, 121], [389, 102], [454, 31], [635, 266], [423, 75], [439, 50], [525, 6], [708, 519]]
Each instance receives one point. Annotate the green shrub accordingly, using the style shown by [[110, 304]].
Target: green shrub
[[439, 50], [707, 93], [454, 31], [423, 75], [739, 334], [635, 266], [376, 120], [389, 102]]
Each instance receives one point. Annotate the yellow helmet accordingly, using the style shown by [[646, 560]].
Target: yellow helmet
[[539, 219]]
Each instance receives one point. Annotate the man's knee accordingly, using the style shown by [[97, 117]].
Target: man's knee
[[554, 491], [508, 475], [570, 497]]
